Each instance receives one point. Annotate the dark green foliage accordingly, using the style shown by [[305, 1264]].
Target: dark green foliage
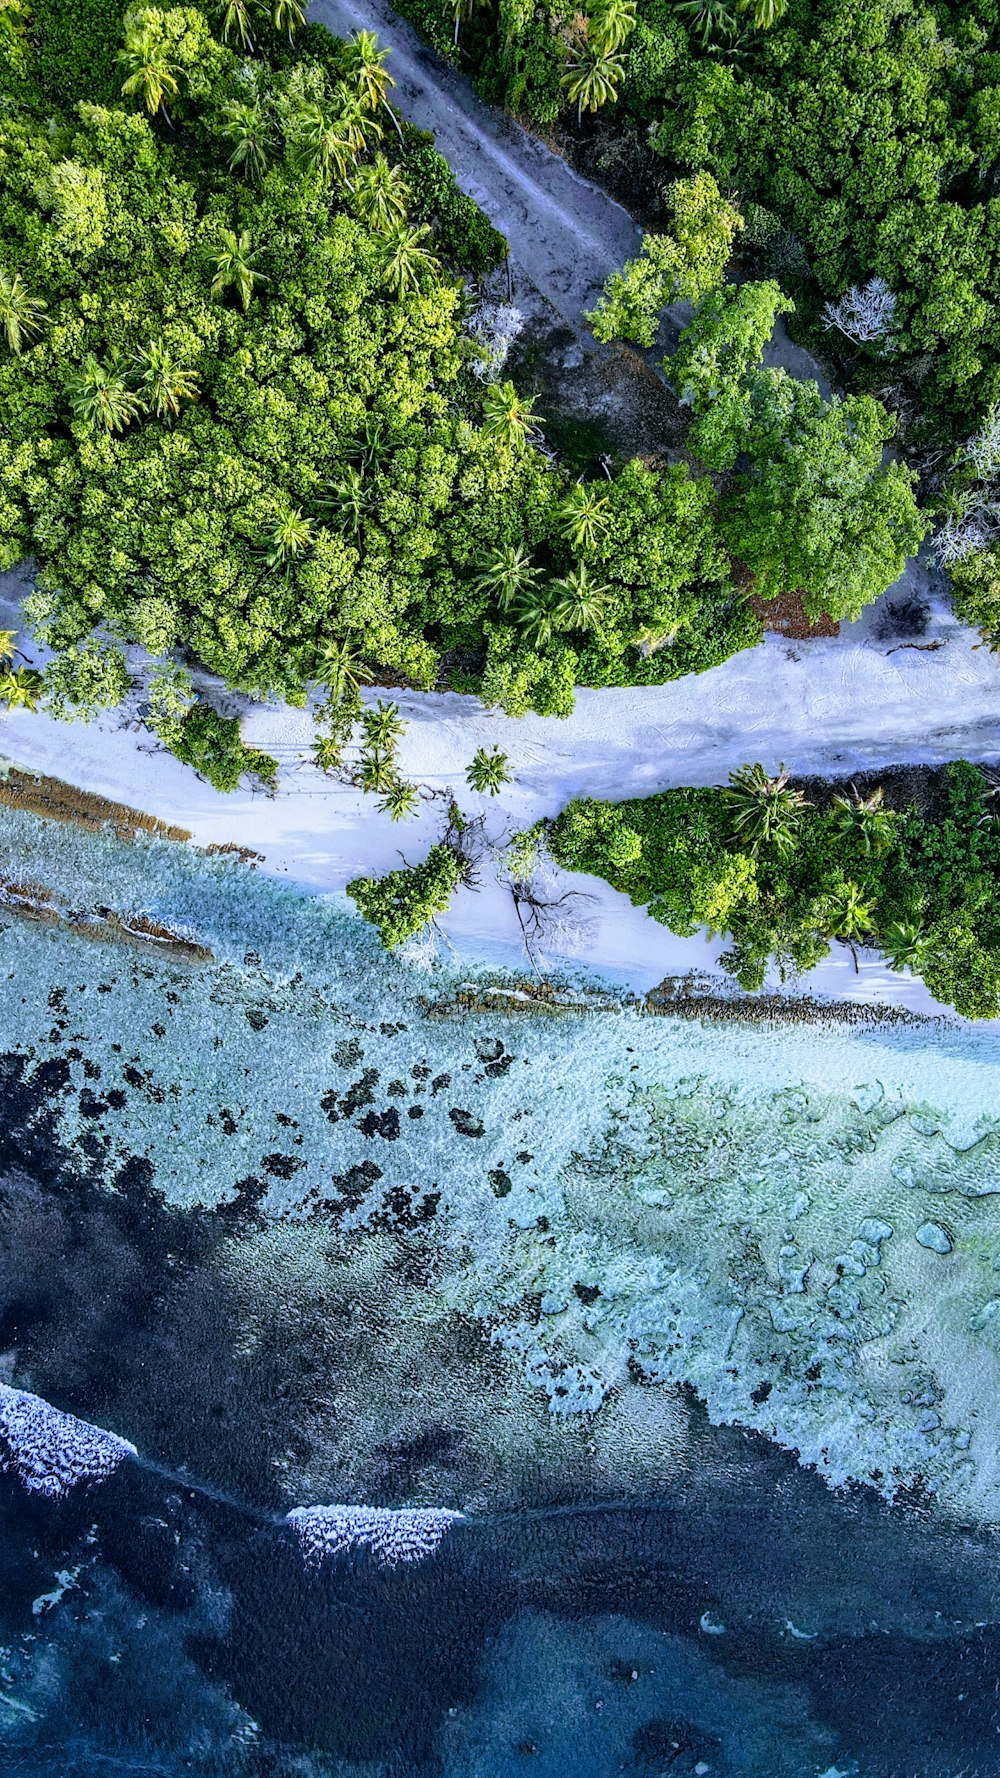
[[466, 237], [75, 43], [923, 885], [402, 903], [211, 744]]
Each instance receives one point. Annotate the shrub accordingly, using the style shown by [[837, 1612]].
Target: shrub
[[211, 744], [402, 903]]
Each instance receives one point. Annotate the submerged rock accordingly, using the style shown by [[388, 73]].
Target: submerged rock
[[932, 1235]]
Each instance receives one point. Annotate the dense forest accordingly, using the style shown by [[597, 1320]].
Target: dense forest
[[784, 869], [254, 415], [861, 139]]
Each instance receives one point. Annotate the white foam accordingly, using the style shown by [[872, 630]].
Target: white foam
[[52, 1452], [392, 1535]]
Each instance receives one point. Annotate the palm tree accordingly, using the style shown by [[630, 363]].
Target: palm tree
[[765, 811], [712, 18], [376, 772], [537, 613], [849, 916], [593, 78], [462, 11], [583, 517], [488, 772], [381, 194], [100, 397], [20, 687], [340, 672], [151, 74], [507, 415], [579, 600], [248, 129], [8, 639], [382, 726], [358, 124], [290, 16], [407, 261], [347, 500], [322, 143], [864, 819], [763, 13], [164, 383], [505, 574], [288, 538], [612, 22], [362, 58], [21, 315], [234, 18], [905, 946], [399, 800], [234, 264]]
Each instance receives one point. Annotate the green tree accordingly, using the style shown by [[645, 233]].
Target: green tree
[[593, 77], [247, 128], [905, 946], [682, 266], [865, 820], [383, 726], [508, 416], [400, 800], [819, 512], [507, 572], [538, 611], [488, 772], [341, 672], [376, 772], [580, 601], [764, 14], [712, 367], [848, 913], [381, 194], [323, 143], [408, 263], [764, 811], [286, 539], [234, 266], [403, 902], [288, 15], [363, 62], [583, 517], [164, 384], [708, 19], [145, 55], [101, 398], [22, 315], [611, 23], [20, 687], [234, 19]]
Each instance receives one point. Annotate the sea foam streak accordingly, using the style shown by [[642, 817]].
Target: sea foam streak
[[392, 1535], [50, 1451]]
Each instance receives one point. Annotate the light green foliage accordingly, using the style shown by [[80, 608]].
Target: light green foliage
[[86, 678], [682, 266], [403, 902], [170, 694], [784, 877], [593, 77], [488, 771], [211, 744], [20, 687], [718, 352]]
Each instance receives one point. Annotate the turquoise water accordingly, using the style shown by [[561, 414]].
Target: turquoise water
[[305, 1229]]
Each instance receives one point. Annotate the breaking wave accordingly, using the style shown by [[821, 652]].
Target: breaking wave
[[52, 1452], [391, 1535]]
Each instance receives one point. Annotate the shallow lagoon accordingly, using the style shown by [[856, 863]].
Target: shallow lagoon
[[305, 1231]]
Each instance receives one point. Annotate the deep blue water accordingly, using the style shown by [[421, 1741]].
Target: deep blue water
[[632, 1590]]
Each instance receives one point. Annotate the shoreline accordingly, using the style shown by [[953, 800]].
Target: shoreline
[[575, 984]]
